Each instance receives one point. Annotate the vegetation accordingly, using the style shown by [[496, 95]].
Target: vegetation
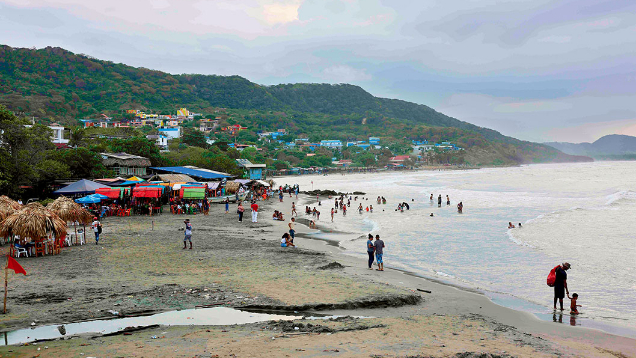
[[55, 85]]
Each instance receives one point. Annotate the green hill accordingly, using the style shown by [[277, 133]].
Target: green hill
[[56, 85]]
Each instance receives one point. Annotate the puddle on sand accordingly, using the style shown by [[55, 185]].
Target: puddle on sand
[[216, 316]]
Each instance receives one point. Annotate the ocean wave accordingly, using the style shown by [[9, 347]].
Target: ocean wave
[[512, 238], [619, 197]]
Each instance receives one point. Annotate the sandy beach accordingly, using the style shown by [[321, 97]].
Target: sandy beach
[[140, 268]]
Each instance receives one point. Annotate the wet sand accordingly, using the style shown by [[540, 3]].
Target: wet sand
[[140, 270]]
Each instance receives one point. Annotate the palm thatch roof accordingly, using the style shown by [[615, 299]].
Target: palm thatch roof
[[232, 187], [7, 207], [68, 210], [33, 221]]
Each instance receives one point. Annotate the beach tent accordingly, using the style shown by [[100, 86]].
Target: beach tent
[[80, 187], [113, 193], [91, 199], [147, 192], [192, 193]]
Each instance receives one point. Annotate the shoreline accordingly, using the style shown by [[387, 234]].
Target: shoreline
[[514, 303], [245, 260]]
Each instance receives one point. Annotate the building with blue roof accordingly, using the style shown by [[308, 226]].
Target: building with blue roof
[[194, 172]]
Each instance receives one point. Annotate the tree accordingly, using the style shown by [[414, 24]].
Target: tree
[[194, 138], [138, 146]]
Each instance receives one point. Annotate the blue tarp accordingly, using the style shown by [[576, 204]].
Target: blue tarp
[[80, 187], [199, 173], [91, 199]]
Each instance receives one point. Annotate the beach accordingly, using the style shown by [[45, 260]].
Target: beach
[[140, 268]]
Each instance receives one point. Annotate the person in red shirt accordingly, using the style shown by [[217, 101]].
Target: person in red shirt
[[254, 207]]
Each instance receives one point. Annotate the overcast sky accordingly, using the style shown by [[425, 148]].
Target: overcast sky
[[532, 69]]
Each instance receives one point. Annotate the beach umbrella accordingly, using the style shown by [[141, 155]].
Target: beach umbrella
[[33, 220], [68, 210], [8, 207], [91, 199]]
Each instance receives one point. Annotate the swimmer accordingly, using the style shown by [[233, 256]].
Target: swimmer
[[520, 225], [432, 197], [431, 215], [510, 226]]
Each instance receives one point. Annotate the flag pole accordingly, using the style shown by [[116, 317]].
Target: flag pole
[[6, 279]]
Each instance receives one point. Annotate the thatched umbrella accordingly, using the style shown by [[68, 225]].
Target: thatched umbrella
[[8, 207], [68, 210], [33, 221]]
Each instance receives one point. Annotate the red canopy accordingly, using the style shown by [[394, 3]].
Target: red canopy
[[147, 192], [111, 193]]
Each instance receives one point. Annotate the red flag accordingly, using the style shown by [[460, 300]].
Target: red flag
[[12, 264]]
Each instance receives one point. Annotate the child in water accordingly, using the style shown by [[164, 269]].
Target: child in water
[[573, 305]]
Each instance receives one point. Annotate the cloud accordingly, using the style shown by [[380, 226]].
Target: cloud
[[345, 74]]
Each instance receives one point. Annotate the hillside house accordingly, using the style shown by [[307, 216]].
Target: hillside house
[[331, 144], [171, 133], [125, 164], [160, 140], [253, 171]]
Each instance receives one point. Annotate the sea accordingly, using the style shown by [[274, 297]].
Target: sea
[[581, 213]]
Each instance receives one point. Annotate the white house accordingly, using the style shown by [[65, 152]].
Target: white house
[[171, 133], [161, 140]]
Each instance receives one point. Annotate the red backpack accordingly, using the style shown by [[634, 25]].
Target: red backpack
[[552, 276]]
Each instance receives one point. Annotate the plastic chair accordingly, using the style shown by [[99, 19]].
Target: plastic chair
[[68, 241], [80, 237], [127, 212], [21, 250]]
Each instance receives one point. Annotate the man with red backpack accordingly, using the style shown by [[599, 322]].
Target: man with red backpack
[[561, 284]]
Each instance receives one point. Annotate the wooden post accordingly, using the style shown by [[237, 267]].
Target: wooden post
[[6, 280], [153, 225], [75, 225]]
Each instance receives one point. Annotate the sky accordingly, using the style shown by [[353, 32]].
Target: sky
[[532, 69]]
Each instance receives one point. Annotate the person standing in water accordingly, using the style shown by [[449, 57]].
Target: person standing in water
[[561, 284], [439, 201], [447, 200], [460, 207], [432, 197]]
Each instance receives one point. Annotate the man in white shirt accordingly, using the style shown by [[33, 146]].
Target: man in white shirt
[[188, 233]]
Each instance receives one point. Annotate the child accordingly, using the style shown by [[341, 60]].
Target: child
[[573, 305]]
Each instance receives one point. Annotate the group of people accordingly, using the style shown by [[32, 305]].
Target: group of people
[[512, 226], [460, 206], [190, 207]]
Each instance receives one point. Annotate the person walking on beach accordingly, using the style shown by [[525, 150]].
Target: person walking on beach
[[292, 231], [240, 211], [379, 251], [561, 284], [227, 205], [370, 250], [280, 195], [97, 229], [206, 207], [294, 209], [332, 210], [188, 233], [254, 208], [439, 201]]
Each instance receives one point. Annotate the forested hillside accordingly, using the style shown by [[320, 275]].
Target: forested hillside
[[53, 84]]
